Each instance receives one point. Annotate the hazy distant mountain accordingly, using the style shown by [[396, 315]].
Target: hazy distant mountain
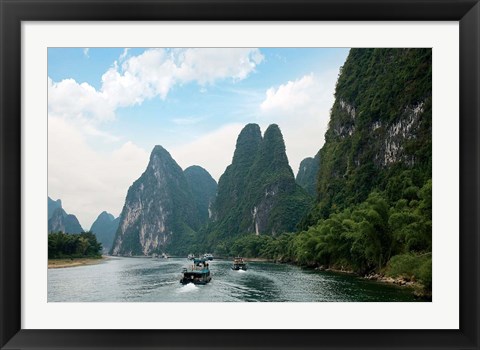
[[53, 205], [63, 222], [104, 228]]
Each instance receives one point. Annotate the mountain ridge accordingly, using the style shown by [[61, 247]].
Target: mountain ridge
[[59, 220]]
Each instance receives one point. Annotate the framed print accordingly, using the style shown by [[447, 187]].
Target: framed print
[[308, 172]]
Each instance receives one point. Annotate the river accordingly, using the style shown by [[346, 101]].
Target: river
[[158, 280]]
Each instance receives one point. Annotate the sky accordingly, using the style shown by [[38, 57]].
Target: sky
[[108, 108]]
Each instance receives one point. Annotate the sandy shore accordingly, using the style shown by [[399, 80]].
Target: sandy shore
[[61, 263]]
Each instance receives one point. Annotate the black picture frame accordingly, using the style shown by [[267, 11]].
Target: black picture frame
[[13, 12]]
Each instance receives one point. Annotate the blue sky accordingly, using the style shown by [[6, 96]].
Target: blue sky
[[108, 107]]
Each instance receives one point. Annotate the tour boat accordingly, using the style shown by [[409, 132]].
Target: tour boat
[[208, 256], [239, 264], [198, 273]]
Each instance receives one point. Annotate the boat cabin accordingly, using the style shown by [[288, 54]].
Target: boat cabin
[[197, 273], [239, 264]]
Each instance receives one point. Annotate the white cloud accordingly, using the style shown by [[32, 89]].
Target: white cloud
[[87, 181], [156, 71], [290, 96], [85, 52], [213, 151], [302, 110], [71, 100], [124, 54], [205, 65], [138, 78]]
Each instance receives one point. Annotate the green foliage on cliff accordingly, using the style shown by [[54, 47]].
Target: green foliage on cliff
[[380, 126], [232, 183], [370, 202], [204, 189], [366, 236], [362, 238], [257, 193], [374, 209], [374, 188], [307, 175]]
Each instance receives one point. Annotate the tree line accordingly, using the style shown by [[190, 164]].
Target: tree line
[[79, 245], [376, 236]]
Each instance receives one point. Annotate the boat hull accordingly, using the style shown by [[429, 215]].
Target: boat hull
[[201, 282]]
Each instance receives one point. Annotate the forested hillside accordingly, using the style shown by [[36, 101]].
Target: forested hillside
[[307, 175], [363, 203], [257, 194], [374, 190]]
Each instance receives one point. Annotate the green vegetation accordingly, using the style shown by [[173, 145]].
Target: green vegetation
[[380, 126], [79, 245], [412, 267], [370, 204], [308, 173], [257, 193], [203, 187], [374, 191], [393, 238]]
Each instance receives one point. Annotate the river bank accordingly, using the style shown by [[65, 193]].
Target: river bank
[[73, 262], [417, 288]]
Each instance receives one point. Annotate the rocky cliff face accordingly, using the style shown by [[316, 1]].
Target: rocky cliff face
[[308, 174], [104, 228], [257, 193], [380, 126], [60, 221], [159, 213]]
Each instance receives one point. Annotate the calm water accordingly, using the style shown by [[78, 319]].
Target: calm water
[[158, 280]]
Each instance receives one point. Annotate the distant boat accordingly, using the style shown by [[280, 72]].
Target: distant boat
[[191, 256], [198, 273], [208, 256], [165, 256], [239, 264]]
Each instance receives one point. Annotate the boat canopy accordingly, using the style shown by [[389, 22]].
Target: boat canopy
[[199, 261]]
